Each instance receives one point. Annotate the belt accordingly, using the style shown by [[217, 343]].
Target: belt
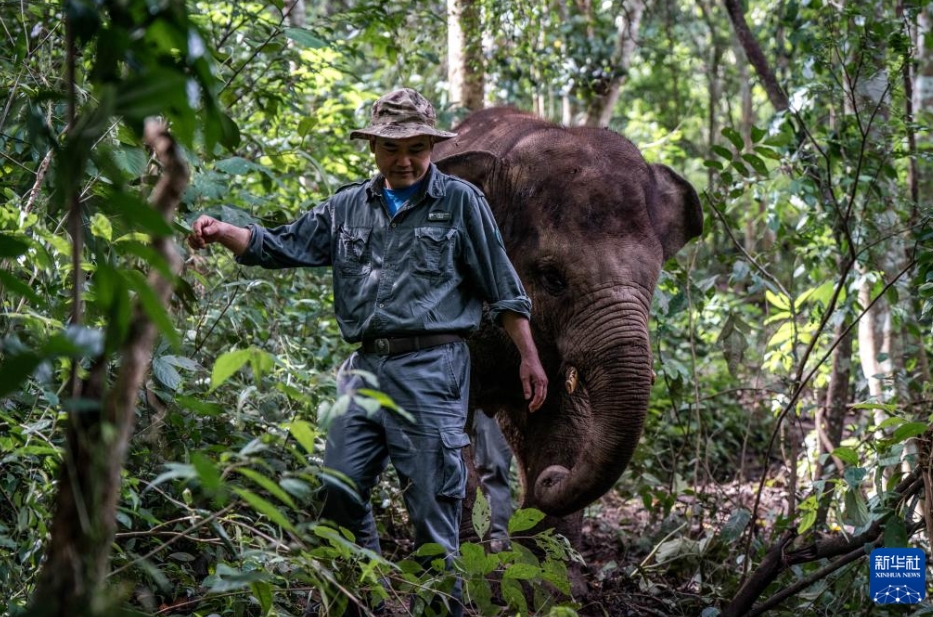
[[390, 346]]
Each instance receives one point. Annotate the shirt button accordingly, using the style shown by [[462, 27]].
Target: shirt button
[[382, 305], [394, 225]]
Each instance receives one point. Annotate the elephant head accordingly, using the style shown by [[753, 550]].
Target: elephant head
[[588, 225]]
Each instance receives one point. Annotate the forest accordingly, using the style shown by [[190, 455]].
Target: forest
[[163, 411]]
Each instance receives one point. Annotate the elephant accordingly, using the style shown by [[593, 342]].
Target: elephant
[[588, 224]]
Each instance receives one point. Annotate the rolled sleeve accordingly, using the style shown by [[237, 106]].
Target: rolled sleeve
[[492, 272]]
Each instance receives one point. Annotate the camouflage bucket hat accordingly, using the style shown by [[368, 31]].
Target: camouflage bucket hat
[[401, 114]]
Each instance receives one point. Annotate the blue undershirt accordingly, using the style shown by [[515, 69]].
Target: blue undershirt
[[396, 198]]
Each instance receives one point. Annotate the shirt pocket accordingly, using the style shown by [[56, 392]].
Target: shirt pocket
[[433, 251], [354, 256]]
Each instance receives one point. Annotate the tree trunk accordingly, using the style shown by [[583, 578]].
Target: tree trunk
[[599, 111], [78, 554], [296, 12], [830, 417], [465, 70]]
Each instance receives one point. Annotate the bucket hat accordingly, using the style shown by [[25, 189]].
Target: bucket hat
[[401, 114]]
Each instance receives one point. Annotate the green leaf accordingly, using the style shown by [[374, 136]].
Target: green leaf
[[152, 93], [228, 579], [758, 134], [198, 406], [889, 407], [742, 169], [475, 561], [733, 136], [175, 471], [481, 515], [130, 159], [12, 284], [524, 519], [736, 525], [138, 213], [304, 434], [12, 246], [779, 301], [723, 152], [522, 571], [101, 226], [207, 472], [757, 164], [854, 476], [847, 455], [16, 370], [911, 429], [895, 533], [226, 365], [166, 374], [262, 591], [806, 521], [304, 38], [153, 307], [768, 153], [269, 485], [856, 511], [889, 422], [237, 166], [265, 508], [512, 594]]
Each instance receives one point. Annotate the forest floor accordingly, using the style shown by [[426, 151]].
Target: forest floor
[[639, 566]]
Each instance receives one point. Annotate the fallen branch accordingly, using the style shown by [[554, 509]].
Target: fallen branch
[[778, 558]]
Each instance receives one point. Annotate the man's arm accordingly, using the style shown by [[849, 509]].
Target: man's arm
[[207, 230], [534, 379]]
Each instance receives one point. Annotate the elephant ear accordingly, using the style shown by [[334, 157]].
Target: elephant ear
[[675, 211], [477, 167]]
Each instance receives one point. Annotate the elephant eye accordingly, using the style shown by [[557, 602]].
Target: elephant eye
[[552, 280]]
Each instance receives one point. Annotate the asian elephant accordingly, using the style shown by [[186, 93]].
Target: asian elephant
[[588, 225]]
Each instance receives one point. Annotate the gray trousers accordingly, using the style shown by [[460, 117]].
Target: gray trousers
[[433, 386], [493, 458]]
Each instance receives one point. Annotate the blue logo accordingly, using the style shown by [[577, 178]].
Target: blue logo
[[898, 575]]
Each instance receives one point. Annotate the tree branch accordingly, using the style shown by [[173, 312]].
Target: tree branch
[[778, 559], [84, 524], [753, 51]]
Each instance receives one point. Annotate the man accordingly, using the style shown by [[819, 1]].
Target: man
[[415, 254]]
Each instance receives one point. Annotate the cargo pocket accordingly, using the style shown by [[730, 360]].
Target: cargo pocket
[[453, 470]]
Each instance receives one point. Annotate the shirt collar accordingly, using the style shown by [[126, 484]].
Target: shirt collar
[[433, 185]]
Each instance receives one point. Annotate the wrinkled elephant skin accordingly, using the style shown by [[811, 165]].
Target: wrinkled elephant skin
[[588, 225]]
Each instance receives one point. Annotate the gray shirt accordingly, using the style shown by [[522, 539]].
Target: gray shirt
[[427, 269]]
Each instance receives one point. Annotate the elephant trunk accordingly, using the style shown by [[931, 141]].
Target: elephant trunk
[[608, 389]]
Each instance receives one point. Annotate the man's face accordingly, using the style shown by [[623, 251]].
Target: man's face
[[403, 162]]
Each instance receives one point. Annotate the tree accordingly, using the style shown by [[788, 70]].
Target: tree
[[465, 70]]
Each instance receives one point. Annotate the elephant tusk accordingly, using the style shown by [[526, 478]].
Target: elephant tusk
[[571, 381]]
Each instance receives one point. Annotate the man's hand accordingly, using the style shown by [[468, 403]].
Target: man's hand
[[534, 382], [534, 379], [207, 230]]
